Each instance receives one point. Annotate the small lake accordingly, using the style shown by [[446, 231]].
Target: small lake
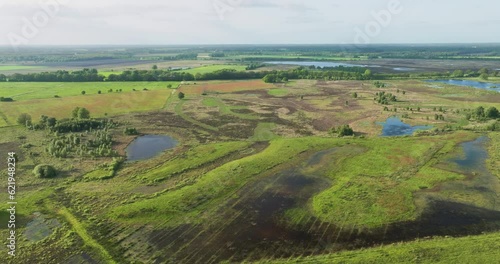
[[468, 83], [393, 126], [148, 146]]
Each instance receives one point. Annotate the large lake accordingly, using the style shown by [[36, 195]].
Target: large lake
[[148, 146], [468, 83]]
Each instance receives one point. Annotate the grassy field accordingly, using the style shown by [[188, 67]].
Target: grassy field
[[99, 105], [43, 90], [212, 68], [18, 67]]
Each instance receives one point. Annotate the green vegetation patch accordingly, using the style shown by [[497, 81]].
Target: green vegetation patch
[[193, 158], [375, 188], [227, 110], [264, 132], [213, 68], [278, 92]]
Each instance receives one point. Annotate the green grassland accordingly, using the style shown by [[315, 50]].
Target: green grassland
[[100, 105], [212, 68], [18, 67], [42, 90]]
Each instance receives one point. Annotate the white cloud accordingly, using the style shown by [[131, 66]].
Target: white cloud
[[251, 21]]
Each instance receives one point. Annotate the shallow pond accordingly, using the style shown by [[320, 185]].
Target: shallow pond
[[148, 146], [468, 83], [393, 126]]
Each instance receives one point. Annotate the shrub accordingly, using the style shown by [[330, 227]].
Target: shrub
[[6, 99], [24, 119], [130, 131], [342, 131], [45, 171]]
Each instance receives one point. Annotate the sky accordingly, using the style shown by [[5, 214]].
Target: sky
[[167, 22]]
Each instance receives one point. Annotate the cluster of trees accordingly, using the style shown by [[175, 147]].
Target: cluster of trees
[[438, 117], [80, 113], [93, 144], [342, 131], [482, 114], [79, 122], [254, 66], [80, 125], [85, 75], [483, 73], [384, 98], [275, 78]]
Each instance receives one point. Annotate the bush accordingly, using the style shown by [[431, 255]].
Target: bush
[[45, 171], [6, 99], [130, 131], [181, 95], [342, 131], [24, 119]]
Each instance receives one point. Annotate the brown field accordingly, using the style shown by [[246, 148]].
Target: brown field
[[224, 87]]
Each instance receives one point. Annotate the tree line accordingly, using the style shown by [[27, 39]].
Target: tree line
[[315, 73]]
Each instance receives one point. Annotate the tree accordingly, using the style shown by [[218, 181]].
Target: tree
[[484, 71], [155, 67], [169, 86], [24, 119], [484, 76], [345, 130], [74, 113], [83, 113], [45, 171], [458, 73], [492, 113], [181, 95], [80, 113], [99, 92], [368, 73], [83, 92], [479, 112], [355, 95]]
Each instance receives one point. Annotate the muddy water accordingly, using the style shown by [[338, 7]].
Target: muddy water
[[253, 228]]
